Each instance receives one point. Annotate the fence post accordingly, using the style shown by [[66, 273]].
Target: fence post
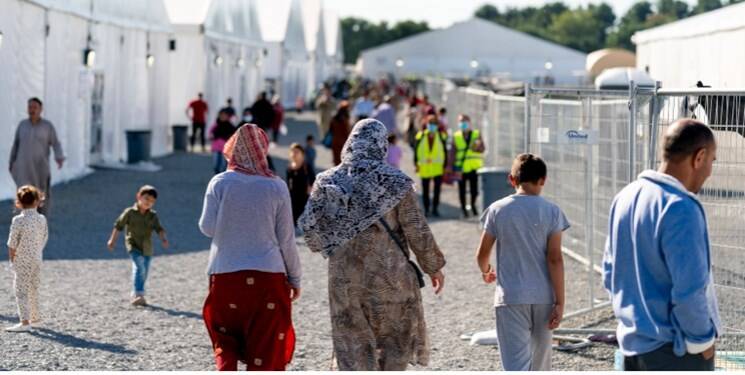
[[589, 206], [526, 130], [632, 130], [654, 114]]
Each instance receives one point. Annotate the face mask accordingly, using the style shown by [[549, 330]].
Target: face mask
[[432, 127], [463, 125], [248, 118]]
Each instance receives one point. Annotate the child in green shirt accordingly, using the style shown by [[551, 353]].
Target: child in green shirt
[[139, 221]]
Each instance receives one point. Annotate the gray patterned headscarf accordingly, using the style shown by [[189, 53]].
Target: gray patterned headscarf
[[349, 198]]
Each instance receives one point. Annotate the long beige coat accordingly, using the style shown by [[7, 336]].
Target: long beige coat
[[376, 306]]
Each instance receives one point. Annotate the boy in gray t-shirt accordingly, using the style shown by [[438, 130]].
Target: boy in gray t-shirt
[[529, 271]]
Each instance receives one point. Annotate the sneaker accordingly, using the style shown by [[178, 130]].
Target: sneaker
[[139, 301], [19, 328], [475, 212], [464, 214]]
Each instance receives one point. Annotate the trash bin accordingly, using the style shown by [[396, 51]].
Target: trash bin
[[494, 185], [180, 137], [138, 146]]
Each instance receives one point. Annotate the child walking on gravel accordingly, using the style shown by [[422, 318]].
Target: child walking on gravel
[[28, 236], [139, 221], [529, 298]]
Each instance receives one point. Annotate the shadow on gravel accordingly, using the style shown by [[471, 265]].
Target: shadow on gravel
[[77, 342], [9, 318], [176, 313]]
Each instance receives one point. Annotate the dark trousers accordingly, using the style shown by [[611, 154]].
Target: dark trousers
[[197, 127], [663, 359], [472, 178], [425, 193]]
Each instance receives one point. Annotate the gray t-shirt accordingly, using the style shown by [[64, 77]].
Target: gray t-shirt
[[522, 225]]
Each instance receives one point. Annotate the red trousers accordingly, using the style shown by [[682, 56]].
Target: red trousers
[[249, 318]]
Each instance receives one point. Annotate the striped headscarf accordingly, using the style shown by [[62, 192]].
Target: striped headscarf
[[247, 150]]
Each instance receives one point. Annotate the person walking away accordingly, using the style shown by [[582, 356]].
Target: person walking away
[[529, 274], [340, 129], [394, 152], [197, 111], [386, 114], [220, 132], [468, 148], [363, 107], [254, 267], [29, 155], [657, 263], [413, 128], [310, 152], [325, 107], [278, 119], [263, 112], [430, 157], [442, 117], [377, 317], [139, 222], [28, 236], [300, 178], [229, 109]]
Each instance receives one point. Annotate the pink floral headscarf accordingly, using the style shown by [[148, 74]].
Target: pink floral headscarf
[[247, 150]]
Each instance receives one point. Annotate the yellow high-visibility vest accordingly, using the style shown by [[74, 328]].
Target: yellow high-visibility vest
[[431, 161], [472, 160]]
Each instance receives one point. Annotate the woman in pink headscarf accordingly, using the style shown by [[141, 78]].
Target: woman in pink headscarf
[[253, 266]]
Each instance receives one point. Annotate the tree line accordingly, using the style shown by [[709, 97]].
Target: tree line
[[585, 28]]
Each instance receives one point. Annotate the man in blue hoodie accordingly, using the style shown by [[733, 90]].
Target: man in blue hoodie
[[657, 263]]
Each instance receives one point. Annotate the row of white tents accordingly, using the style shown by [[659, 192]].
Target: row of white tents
[[104, 67]]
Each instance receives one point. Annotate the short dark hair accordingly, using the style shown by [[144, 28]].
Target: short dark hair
[[392, 138], [685, 138], [309, 137], [36, 100], [148, 190], [297, 146], [27, 195], [528, 168]]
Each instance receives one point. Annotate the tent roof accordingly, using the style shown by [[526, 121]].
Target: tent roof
[[603, 59], [140, 14], [721, 20], [226, 19], [275, 19], [474, 39]]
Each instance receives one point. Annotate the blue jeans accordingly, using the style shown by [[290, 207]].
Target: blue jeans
[[219, 161], [140, 268]]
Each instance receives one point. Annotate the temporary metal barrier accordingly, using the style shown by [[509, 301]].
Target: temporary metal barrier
[[595, 143]]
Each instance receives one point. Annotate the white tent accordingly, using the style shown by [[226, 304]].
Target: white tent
[[124, 88], [304, 44], [706, 48], [219, 51], [475, 47], [334, 47]]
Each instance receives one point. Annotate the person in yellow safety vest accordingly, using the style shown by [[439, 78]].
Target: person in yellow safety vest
[[430, 156], [468, 147]]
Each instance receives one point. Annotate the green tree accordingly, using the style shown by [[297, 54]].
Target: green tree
[[578, 29], [704, 6], [634, 20], [359, 34], [487, 12]]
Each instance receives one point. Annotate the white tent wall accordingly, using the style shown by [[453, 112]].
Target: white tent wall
[[187, 74], [714, 63]]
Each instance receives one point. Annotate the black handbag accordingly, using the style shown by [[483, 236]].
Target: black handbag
[[419, 273]]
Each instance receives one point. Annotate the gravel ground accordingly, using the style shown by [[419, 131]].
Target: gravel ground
[[89, 324]]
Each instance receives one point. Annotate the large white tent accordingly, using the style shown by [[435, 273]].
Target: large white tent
[[706, 48], [304, 46], [124, 88], [219, 51], [475, 47]]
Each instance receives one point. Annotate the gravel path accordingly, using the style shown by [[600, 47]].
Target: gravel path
[[90, 326]]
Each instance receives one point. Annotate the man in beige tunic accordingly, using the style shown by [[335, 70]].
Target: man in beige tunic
[[29, 156], [325, 107]]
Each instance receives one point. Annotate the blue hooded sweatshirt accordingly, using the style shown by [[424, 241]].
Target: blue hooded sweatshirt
[[657, 268]]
